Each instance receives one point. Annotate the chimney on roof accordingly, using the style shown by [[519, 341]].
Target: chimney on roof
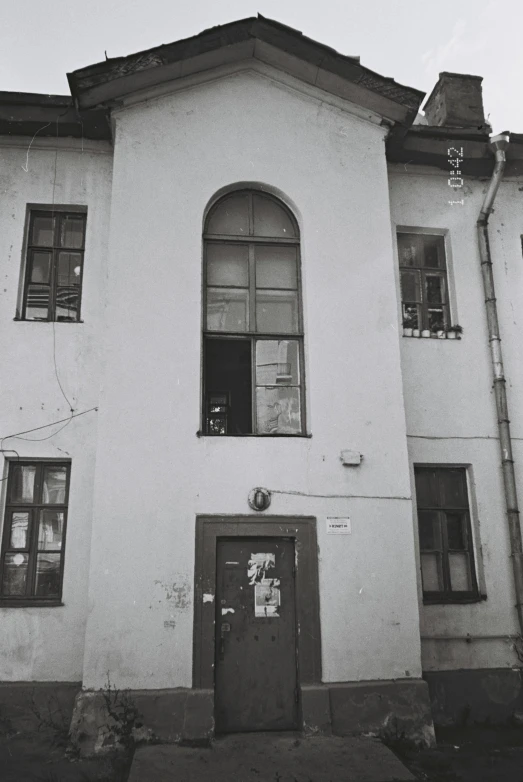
[[456, 102]]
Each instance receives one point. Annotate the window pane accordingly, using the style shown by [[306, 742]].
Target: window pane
[[231, 216], [410, 286], [459, 572], [436, 319], [426, 488], [67, 301], [411, 319], [277, 311], [228, 264], [43, 231], [434, 251], [429, 530], [227, 309], [271, 219], [47, 575], [278, 411], [454, 488], [37, 302], [277, 362], [72, 232], [456, 537], [410, 250], [19, 530], [276, 267], [40, 267], [431, 573], [435, 289], [15, 574], [22, 483], [50, 530], [69, 268], [55, 479]]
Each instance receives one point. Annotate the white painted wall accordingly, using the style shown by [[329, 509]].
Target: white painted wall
[[154, 475], [46, 644], [448, 395]]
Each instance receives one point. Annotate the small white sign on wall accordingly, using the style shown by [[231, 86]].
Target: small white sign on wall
[[338, 526]]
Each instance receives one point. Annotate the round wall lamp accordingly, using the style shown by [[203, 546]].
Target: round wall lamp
[[259, 499]]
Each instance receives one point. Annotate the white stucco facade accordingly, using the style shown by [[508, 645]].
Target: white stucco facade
[[142, 472]]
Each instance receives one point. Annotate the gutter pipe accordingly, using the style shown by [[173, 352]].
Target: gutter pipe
[[499, 144]]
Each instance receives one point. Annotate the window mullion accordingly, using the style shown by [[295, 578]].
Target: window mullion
[[254, 413]]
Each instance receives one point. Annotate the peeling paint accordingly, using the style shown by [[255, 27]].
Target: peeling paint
[[227, 611], [208, 598]]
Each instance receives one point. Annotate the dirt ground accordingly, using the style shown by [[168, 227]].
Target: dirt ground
[[475, 754], [479, 754], [40, 757]]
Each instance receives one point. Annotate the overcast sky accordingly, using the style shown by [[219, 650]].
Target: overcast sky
[[410, 40]]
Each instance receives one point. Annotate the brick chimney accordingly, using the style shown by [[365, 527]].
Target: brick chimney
[[456, 101]]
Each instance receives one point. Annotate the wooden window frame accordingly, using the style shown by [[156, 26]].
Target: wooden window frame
[[251, 334], [30, 599], [422, 271], [447, 594], [59, 213]]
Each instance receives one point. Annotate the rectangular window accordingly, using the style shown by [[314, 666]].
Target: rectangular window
[[54, 266], [253, 340], [445, 535], [424, 283], [33, 542]]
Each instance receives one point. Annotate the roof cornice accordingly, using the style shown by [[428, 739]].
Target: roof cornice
[[106, 83]]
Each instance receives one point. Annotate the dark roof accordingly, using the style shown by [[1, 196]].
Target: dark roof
[[29, 114], [429, 146], [106, 81]]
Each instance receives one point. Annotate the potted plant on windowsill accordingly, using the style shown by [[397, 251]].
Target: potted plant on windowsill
[[454, 332], [425, 333], [407, 326]]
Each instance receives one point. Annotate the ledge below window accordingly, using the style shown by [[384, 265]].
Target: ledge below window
[[445, 600], [6, 603], [426, 334], [260, 436]]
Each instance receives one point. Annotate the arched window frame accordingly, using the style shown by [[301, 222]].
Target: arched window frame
[[211, 413]]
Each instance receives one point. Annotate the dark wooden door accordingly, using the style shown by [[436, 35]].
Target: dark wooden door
[[255, 673]]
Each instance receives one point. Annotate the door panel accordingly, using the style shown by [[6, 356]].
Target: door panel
[[255, 673]]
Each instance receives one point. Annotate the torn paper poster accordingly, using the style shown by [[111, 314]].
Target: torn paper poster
[[258, 565], [227, 611], [267, 597], [208, 598]]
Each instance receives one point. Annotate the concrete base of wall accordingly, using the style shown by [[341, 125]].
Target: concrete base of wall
[[30, 706], [107, 720], [466, 697], [103, 721]]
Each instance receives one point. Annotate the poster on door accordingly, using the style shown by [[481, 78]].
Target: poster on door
[[267, 597]]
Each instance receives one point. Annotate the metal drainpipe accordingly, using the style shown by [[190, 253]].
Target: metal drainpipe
[[499, 144]]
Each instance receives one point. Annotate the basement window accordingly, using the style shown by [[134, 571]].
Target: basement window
[[253, 334], [54, 266], [424, 282], [445, 535], [33, 541]]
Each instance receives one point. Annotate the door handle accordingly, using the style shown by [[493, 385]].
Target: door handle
[[224, 628]]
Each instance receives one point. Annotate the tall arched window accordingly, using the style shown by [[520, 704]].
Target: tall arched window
[[253, 326]]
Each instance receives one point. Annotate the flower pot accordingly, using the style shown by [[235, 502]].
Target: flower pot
[[425, 333], [441, 334], [451, 335], [415, 332], [407, 332]]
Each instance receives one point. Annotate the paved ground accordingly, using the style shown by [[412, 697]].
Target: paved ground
[[266, 757]]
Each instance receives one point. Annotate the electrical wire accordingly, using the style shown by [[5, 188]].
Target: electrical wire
[[341, 496], [45, 426]]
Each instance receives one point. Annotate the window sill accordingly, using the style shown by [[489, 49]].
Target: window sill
[[7, 603], [446, 600], [424, 335], [30, 320], [260, 436]]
